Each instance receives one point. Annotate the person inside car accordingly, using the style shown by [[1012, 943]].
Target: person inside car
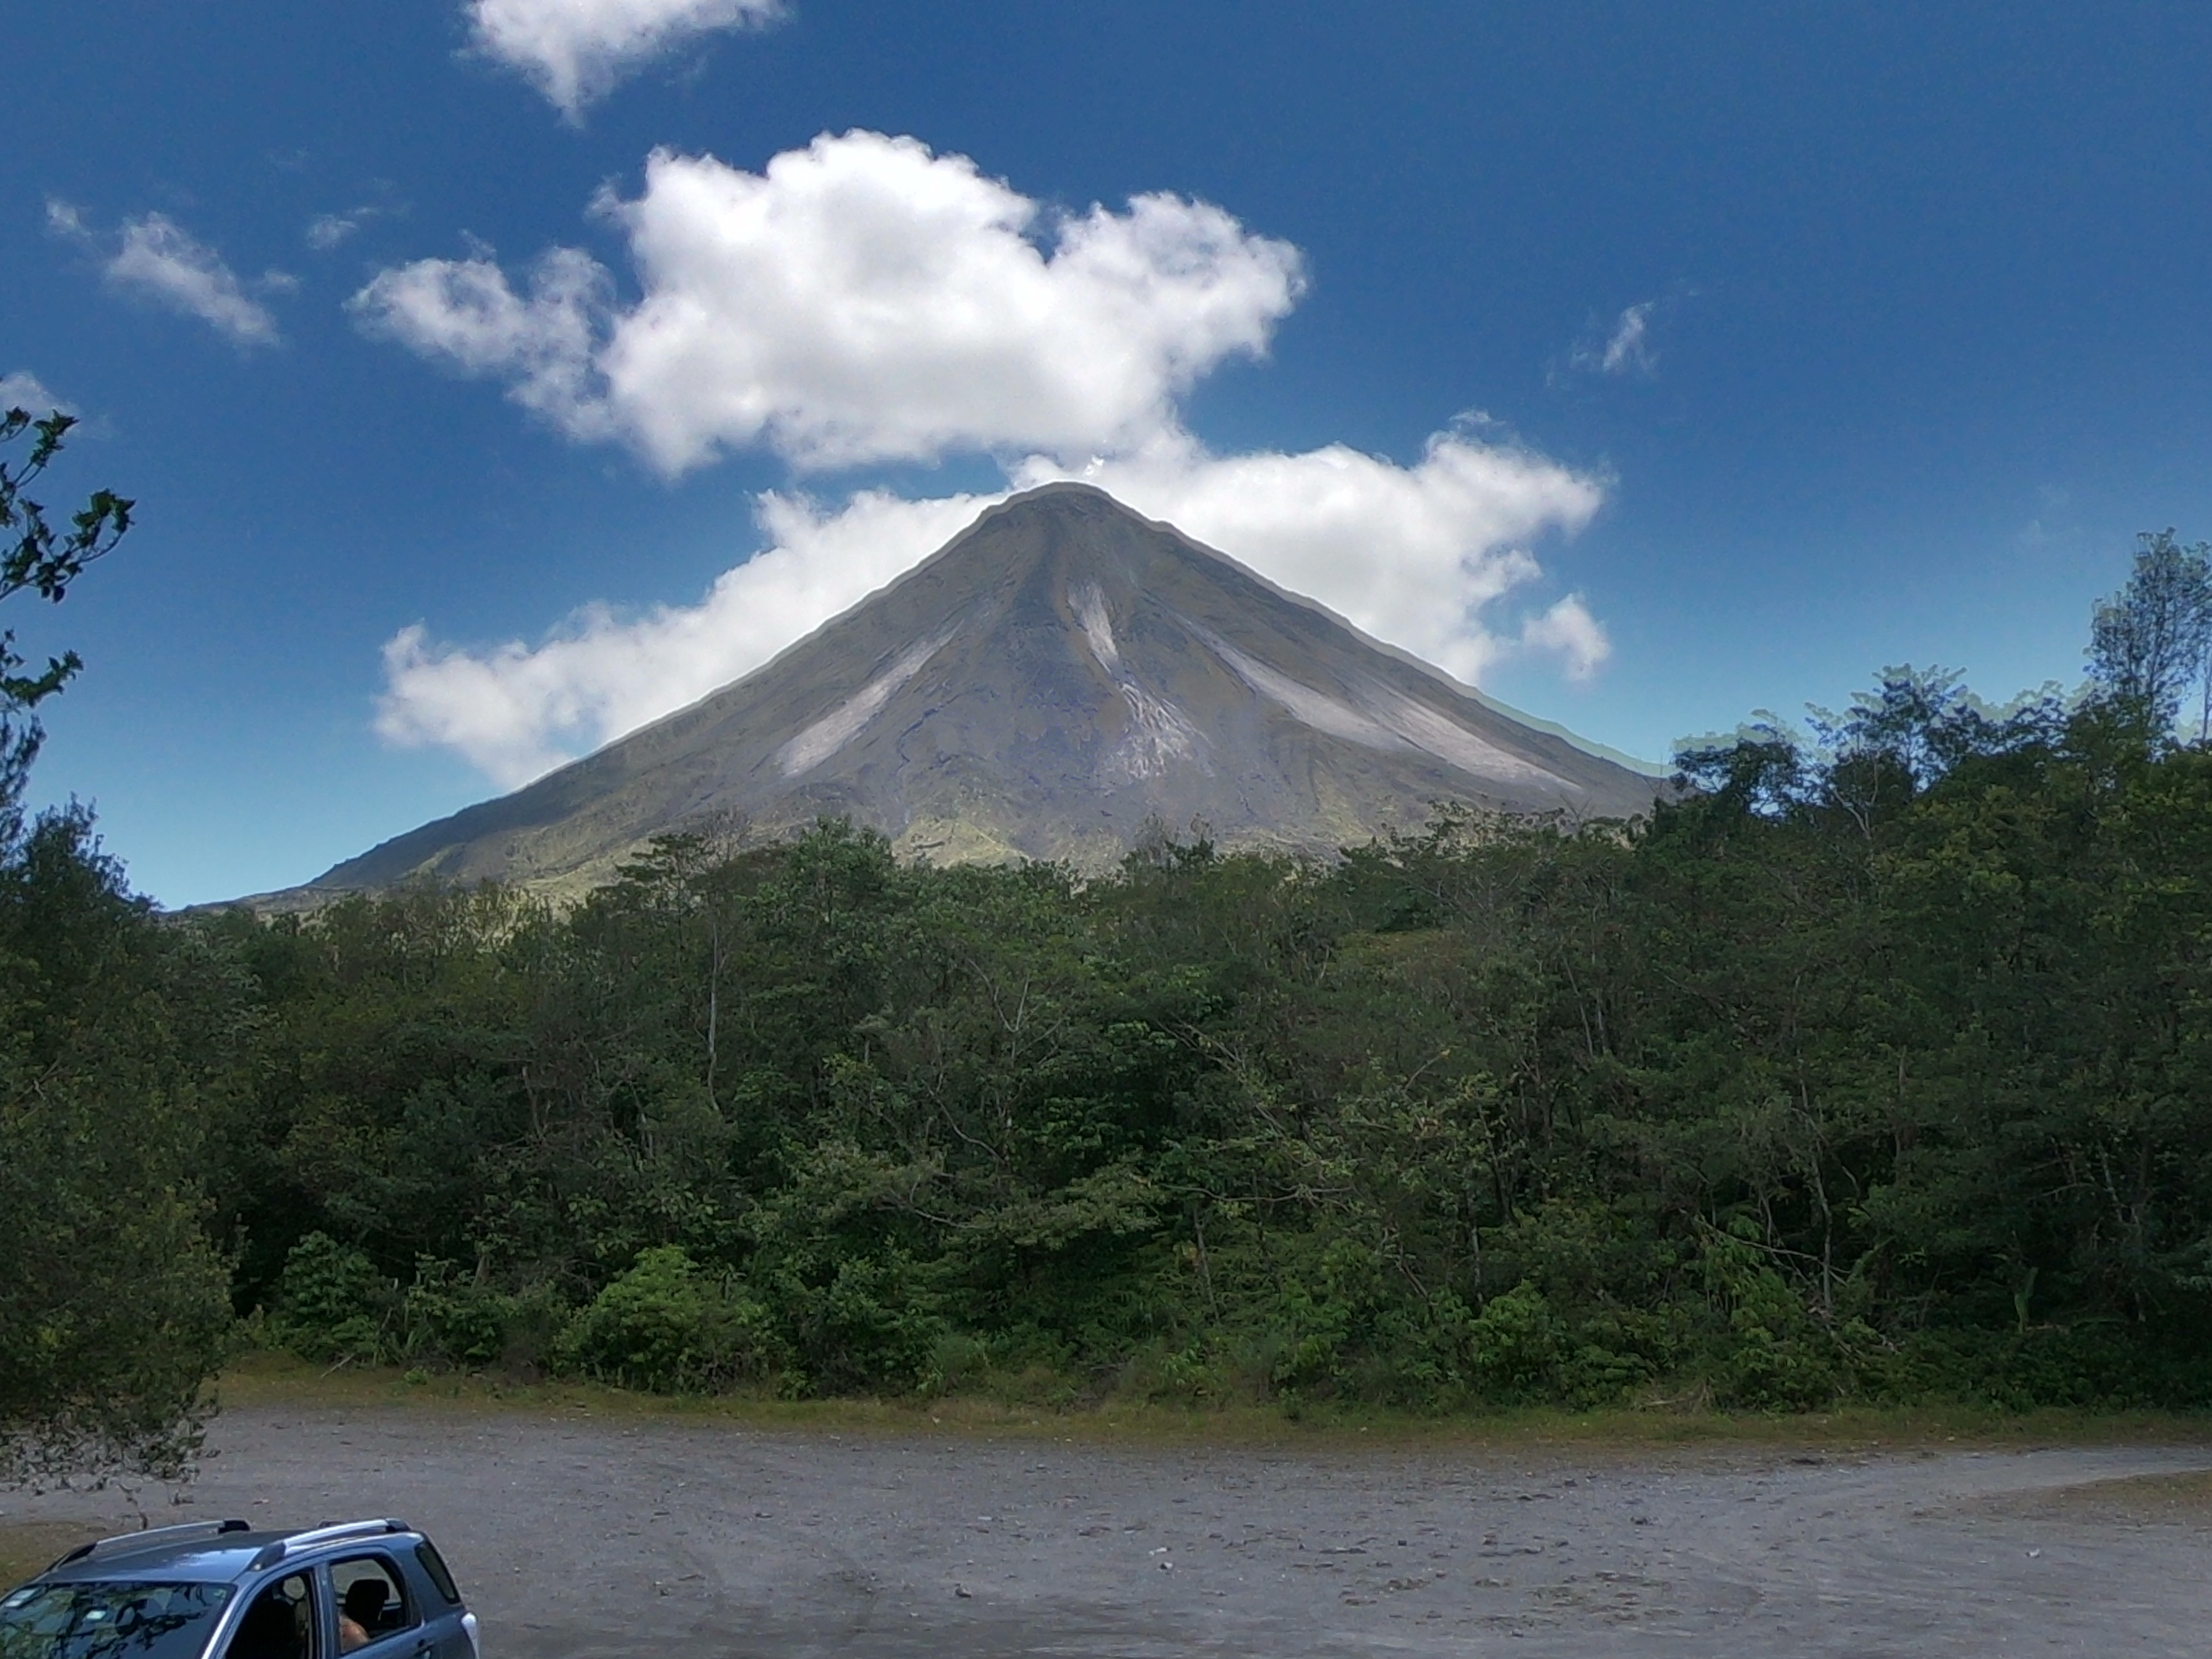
[[360, 1612]]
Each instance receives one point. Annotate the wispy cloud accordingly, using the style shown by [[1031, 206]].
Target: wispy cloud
[[326, 230], [2056, 521], [1630, 346], [575, 51], [24, 390], [1625, 349], [156, 259]]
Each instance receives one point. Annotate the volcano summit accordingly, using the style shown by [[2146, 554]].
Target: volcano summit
[[1059, 676]]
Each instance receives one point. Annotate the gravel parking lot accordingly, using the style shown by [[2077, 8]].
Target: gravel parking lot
[[575, 1534]]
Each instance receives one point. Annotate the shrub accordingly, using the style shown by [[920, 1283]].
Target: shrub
[[332, 1305], [1517, 1343], [1779, 1356], [666, 1327], [462, 1321], [871, 1327]]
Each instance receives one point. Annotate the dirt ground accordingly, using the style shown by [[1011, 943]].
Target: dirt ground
[[577, 1535]]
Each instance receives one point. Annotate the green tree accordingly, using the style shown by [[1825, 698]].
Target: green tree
[[116, 1038], [37, 557], [1870, 1062], [2150, 644]]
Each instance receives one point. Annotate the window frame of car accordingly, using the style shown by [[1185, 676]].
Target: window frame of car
[[432, 1567], [322, 1621], [390, 1568]]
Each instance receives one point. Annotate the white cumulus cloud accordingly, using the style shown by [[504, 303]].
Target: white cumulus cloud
[[862, 300], [156, 259], [574, 50], [1569, 629], [464, 313], [1411, 555], [516, 711], [866, 300], [1414, 555]]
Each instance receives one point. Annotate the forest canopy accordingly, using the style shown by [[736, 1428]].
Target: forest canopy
[[1871, 1064]]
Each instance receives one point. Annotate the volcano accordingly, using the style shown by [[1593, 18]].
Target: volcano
[[1062, 680]]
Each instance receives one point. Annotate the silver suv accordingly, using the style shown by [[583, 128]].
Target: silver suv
[[223, 1589]]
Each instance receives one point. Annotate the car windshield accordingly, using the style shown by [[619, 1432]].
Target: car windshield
[[109, 1620]]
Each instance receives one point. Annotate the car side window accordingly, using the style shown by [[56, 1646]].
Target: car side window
[[281, 1622], [435, 1565], [373, 1601]]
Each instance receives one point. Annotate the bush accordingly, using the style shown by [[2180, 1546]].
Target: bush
[[332, 1305], [1518, 1343], [666, 1327], [468, 1323], [870, 1327], [2098, 1367], [450, 1320], [1779, 1355]]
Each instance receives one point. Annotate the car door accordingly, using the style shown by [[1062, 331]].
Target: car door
[[452, 1627]]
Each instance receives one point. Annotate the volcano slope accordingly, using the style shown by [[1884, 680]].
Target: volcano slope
[[1059, 680]]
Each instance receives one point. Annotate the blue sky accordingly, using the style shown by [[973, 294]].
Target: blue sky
[[1649, 364]]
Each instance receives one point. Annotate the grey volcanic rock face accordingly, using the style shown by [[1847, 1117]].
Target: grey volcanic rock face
[[1058, 675]]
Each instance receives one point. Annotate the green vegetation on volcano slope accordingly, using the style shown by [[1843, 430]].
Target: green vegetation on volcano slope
[[1870, 1071]]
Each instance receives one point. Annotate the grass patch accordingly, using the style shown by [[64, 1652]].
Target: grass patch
[[268, 1379]]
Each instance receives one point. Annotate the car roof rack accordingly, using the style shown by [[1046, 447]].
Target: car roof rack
[[273, 1554], [122, 1540]]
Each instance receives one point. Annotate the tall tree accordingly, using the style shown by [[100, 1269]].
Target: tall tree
[[116, 1039], [43, 560], [2150, 644], [114, 1033]]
